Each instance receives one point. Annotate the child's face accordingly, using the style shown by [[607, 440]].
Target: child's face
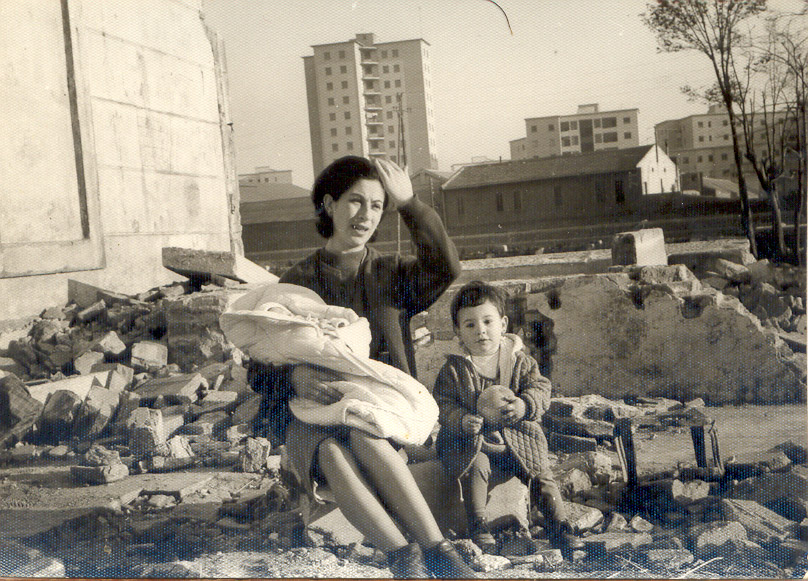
[[481, 328]]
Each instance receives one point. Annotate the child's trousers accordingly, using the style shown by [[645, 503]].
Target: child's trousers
[[488, 470]]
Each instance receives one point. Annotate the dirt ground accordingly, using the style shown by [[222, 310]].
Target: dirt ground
[[37, 497]]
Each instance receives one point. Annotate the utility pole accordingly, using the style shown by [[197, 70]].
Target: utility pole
[[401, 157]]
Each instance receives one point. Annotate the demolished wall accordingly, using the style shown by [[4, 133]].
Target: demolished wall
[[118, 151], [652, 331]]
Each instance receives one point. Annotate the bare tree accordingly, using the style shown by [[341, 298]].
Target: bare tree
[[787, 49], [712, 27]]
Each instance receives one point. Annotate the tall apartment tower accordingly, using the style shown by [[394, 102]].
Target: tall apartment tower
[[373, 100], [587, 130]]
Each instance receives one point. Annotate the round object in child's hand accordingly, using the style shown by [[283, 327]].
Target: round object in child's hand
[[490, 403]]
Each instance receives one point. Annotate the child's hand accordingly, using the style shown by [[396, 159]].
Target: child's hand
[[513, 411], [471, 424]]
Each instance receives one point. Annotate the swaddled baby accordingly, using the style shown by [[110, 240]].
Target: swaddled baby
[[284, 323]]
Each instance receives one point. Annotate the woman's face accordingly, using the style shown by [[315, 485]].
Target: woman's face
[[356, 215]]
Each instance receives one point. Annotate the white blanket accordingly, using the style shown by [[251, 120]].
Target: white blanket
[[284, 323]]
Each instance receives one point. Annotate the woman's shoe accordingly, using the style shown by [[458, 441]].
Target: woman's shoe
[[481, 536], [408, 563], [444, 562]]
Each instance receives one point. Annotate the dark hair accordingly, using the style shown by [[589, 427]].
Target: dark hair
[[335, 180], [474, 294]]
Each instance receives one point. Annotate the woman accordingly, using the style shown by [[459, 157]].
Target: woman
[[369, 479]]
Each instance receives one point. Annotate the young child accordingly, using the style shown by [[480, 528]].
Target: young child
[[473, 449]]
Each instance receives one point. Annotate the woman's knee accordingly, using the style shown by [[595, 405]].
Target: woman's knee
[[331, 453]]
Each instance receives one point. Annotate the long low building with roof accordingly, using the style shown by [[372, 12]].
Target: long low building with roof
[[556, 190]]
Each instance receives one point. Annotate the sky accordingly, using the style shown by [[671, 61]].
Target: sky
[[487, 78]]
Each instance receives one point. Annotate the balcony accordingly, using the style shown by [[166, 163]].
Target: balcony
[[372, 137], [373, 120]]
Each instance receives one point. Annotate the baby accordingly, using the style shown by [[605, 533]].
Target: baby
[[285, 323]]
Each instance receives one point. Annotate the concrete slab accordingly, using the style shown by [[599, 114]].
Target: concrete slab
[[78, 384], [205, 263]]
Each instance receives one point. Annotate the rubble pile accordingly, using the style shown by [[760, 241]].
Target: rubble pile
[[116, 387]]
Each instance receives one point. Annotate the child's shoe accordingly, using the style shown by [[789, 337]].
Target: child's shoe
[[481, 536], [562, 537]]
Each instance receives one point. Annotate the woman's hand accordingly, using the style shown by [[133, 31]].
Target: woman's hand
[[396, 182], [312, 383], [513, 411]]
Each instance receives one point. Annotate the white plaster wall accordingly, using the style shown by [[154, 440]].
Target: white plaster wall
[[149, 79], [655, 165]]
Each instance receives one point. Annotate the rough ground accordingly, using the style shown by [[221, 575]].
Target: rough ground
[[190, 539]]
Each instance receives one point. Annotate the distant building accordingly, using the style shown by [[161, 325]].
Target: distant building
[[371, 99], [586, 131], [532, 193], [701, 145], [266, 175]]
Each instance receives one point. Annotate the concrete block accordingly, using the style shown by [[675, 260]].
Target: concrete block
[[177, 388], [146, 433], [762, 525], [570, 444], [179, 447], [639, 525], [100, 474], [616, 541], [110, 345], [219, 397], [149, 354], [583, 518], [81, 293], [85, 362], [669, 558], [708, 539], [18, 409], [248, 410], [96, 412], [208, 424], [255, 454], [641, 247], [94, 311], [574, 481], [204, 263], [58, 416]]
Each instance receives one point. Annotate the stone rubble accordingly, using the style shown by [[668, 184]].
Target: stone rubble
[[119, 386]]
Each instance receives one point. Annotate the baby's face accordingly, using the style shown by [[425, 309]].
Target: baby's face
[[481, 328]]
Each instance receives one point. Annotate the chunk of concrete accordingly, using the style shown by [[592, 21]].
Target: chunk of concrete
[[146, 433], [709, 538], [85, 362], [96, 412], [58, 416], [641, 247], [18, 409], [110, 345], [583, 518], [610, 542], [177, 388], [100, 474], [762, 525], [574, 481], [669, 558], [570, 444], [203, 264], [149, 354], [254, 455], [79, 384]]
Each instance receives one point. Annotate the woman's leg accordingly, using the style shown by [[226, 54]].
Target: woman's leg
[[393, 481], [355, 497]]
